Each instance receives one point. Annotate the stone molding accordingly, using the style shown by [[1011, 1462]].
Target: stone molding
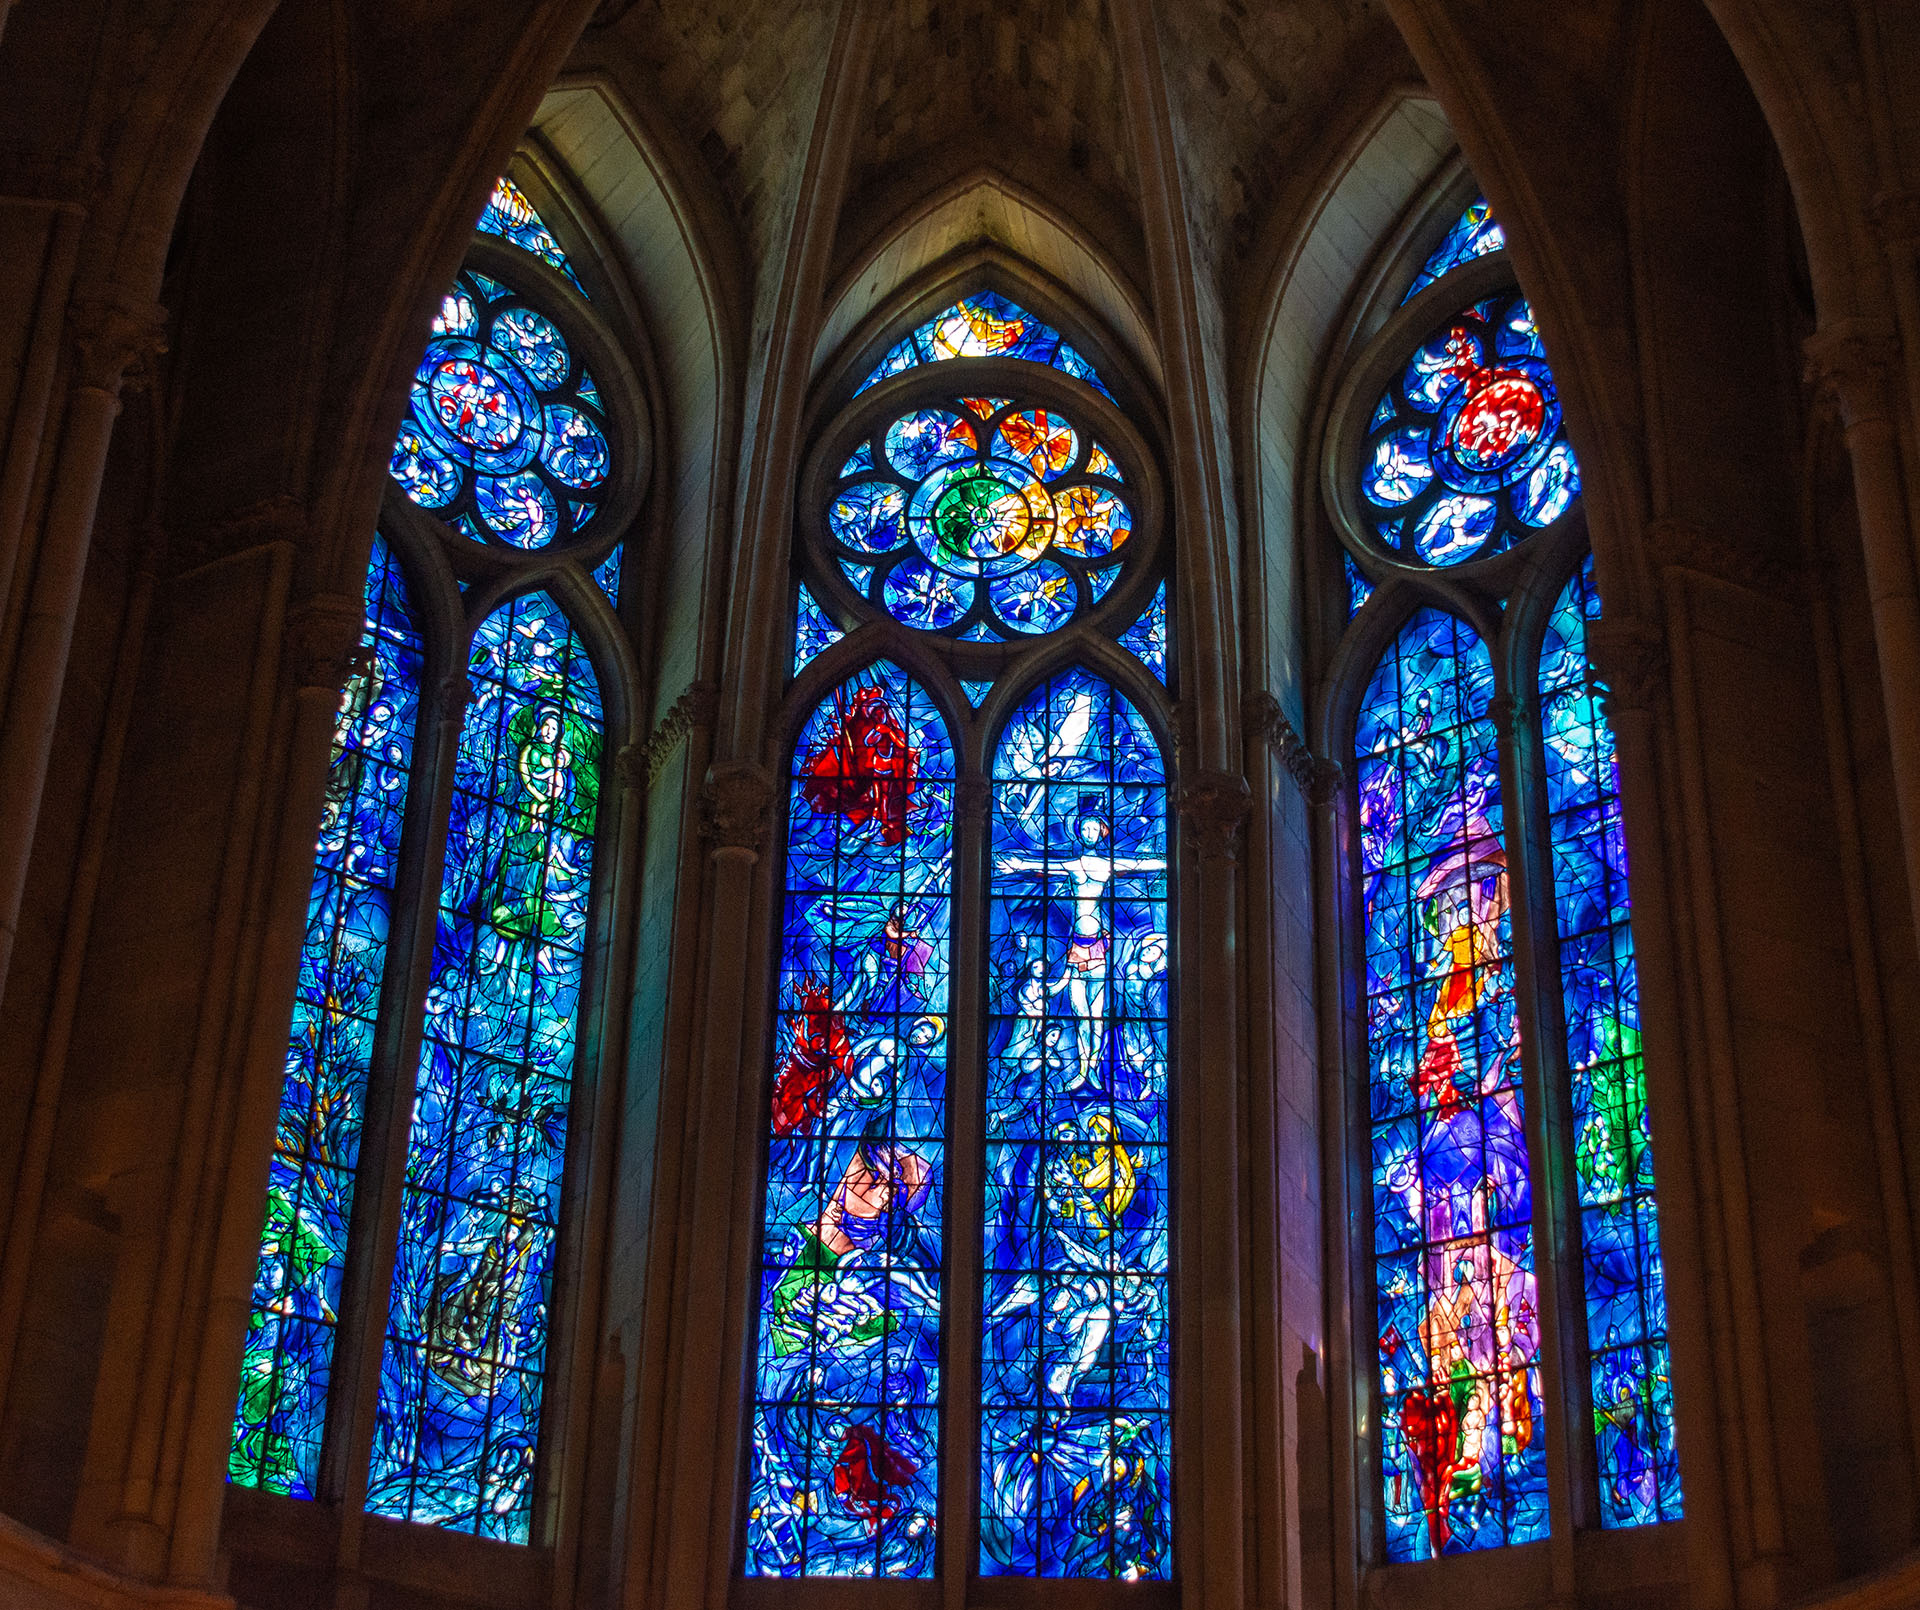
[[1896, 215], [736, 807], [972, 796], [1264, 716], [695, 709], [117, 340], [1855, 359], [1678, 544], [1214, 806]]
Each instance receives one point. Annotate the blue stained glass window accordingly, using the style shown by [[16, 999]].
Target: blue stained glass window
[[1467, 453], [981, 515], [985, 325], [511, 216], [1146, 638], [296, 1293], [976, 692], [1457, 1310], [1474, 234], [606, 576], [465, 1354], [1359, 589], [1624, 1281], [814, 632], [1075, 1393], [504, 431], [844, 1465]]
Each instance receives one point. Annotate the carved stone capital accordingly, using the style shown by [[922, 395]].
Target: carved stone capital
[[323, 641], [1507, 713], [117, 339], [1627, 663], [1264, 716], [1213, 808], [737, 806], [451, 696], [1673, 541], [693, 710], [1855, 359], [972, 795], [1323, 785]]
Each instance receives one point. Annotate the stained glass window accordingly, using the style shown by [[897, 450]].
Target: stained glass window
[[1359, 589], [511, 216], [292, 1318], [844, 1463], [1146, 638], [1457, 1308], [814, 632], [1623, 1279], [1075, 1395], [985, 517], [1474, 234], [466, 1344], [1466, 453], [985, 325], [506, 433]]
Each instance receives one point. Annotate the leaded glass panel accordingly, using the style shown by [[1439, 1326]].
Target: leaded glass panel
[[1622, 1275], [511, 216], [467, 1328], [1457, 1309], [294, 1313], [985, 325], [1076, 1393], [844, 1465], [1474, 234]]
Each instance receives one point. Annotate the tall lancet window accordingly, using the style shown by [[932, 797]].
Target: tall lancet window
[[963, 1364], [411, 1297], [1490, 937]]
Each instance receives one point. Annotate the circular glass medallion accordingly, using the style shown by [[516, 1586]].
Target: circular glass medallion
[[981, 519]]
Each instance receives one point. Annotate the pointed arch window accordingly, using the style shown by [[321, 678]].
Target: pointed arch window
[[1490, 923], [410, 1300], [962, 1362]]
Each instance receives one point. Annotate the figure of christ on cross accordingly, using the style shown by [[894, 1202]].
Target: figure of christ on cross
[[1090, 955]]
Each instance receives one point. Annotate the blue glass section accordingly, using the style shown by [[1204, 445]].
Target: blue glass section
[[1146, 638], [814, 632], [1468, 454], [1075, 1464], [606, 576], [462, 1370], [976, 692], [1461, 1426], [1474, 234], [1359, 589], [504, 431], [1623, 1277], [291, 1320], [513, 218], [844, 1471], [985, 325]]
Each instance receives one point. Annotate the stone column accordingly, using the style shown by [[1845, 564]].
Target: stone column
[[737, 810], [112, 336], [1857, 360], [1213, 809], [1629, 661]]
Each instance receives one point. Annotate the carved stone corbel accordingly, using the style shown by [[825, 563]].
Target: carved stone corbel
[[736, 807], [972, 797], [323, 641], [117, 339], [1855, 359], [1626, 663], [1264, 716], [1323, 786], [1214, 806]]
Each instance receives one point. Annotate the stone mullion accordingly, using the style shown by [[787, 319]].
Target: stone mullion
[[968, 1008], [1571, 1492], [373, 1237]]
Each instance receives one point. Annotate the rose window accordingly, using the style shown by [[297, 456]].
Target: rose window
[[1465, 452], [506, 435], [985, 517]]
